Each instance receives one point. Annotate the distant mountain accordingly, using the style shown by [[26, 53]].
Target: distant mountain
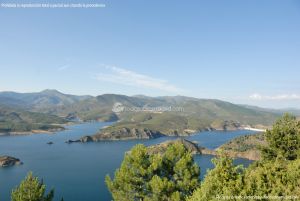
[[196, 115], [166, 114], [294, 111], [40, 100]]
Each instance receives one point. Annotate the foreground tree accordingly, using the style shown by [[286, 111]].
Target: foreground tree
[[224, 180], [279, 179], [278, 174], [283, 139], [31, 189], [171, 175]]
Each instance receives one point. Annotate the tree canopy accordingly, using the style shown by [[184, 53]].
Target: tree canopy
[[31, 189], [143, 176], [283, 139], [224, 179]]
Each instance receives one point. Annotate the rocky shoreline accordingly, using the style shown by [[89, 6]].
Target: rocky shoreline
[[126, 133], [122, 134], [7, 161]]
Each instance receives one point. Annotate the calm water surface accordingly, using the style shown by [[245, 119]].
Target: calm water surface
[[77, 171]]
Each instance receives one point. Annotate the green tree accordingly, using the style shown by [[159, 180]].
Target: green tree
[[278, 174], [283, 139], [171, 175], [273, 178], [31, 189], [224, 180]]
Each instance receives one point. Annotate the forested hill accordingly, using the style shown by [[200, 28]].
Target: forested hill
[[186, 113]]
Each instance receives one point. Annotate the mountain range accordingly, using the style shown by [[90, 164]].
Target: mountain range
[[194, 114]]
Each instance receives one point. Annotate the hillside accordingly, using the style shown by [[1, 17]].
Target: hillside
[[247, 146], [197, 115], [17, 120], [192, 147], [44, 101], [194, 114], [293, 111]]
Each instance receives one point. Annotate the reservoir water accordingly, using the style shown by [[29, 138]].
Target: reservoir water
[[77, 171]]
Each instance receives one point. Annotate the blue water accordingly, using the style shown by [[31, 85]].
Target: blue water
[[77, 171]]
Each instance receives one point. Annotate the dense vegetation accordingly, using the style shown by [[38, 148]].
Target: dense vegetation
[[283, 139], [31, 189], [276, 176], [143, 176]]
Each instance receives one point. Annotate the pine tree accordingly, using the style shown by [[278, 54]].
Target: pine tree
[[224, 180], [273, 178], [31, 189], [156, 177], [283, 139]]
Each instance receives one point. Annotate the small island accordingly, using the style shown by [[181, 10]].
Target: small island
[[7, 161]]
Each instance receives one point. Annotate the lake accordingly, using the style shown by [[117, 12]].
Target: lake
[[77, 170]]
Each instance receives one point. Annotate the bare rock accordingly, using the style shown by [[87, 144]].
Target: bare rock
[[7, 161]]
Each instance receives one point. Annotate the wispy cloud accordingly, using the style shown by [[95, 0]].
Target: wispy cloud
[[257, 96], [63, 67], [130, 78]]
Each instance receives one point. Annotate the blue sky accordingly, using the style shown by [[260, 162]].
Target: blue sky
[[239, 51]]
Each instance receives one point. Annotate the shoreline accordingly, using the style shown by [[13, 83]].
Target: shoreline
[[95, 139], [254, 129], [32, 132]]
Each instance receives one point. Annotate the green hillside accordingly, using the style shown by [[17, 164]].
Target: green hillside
[[195, 114], [247, 146], [203, 110], [16, 120]]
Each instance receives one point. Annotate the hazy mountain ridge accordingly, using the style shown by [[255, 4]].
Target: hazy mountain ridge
[[40, 100], [196, 114], [294, 111]]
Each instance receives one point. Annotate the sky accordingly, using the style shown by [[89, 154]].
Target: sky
[[245, 52]]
